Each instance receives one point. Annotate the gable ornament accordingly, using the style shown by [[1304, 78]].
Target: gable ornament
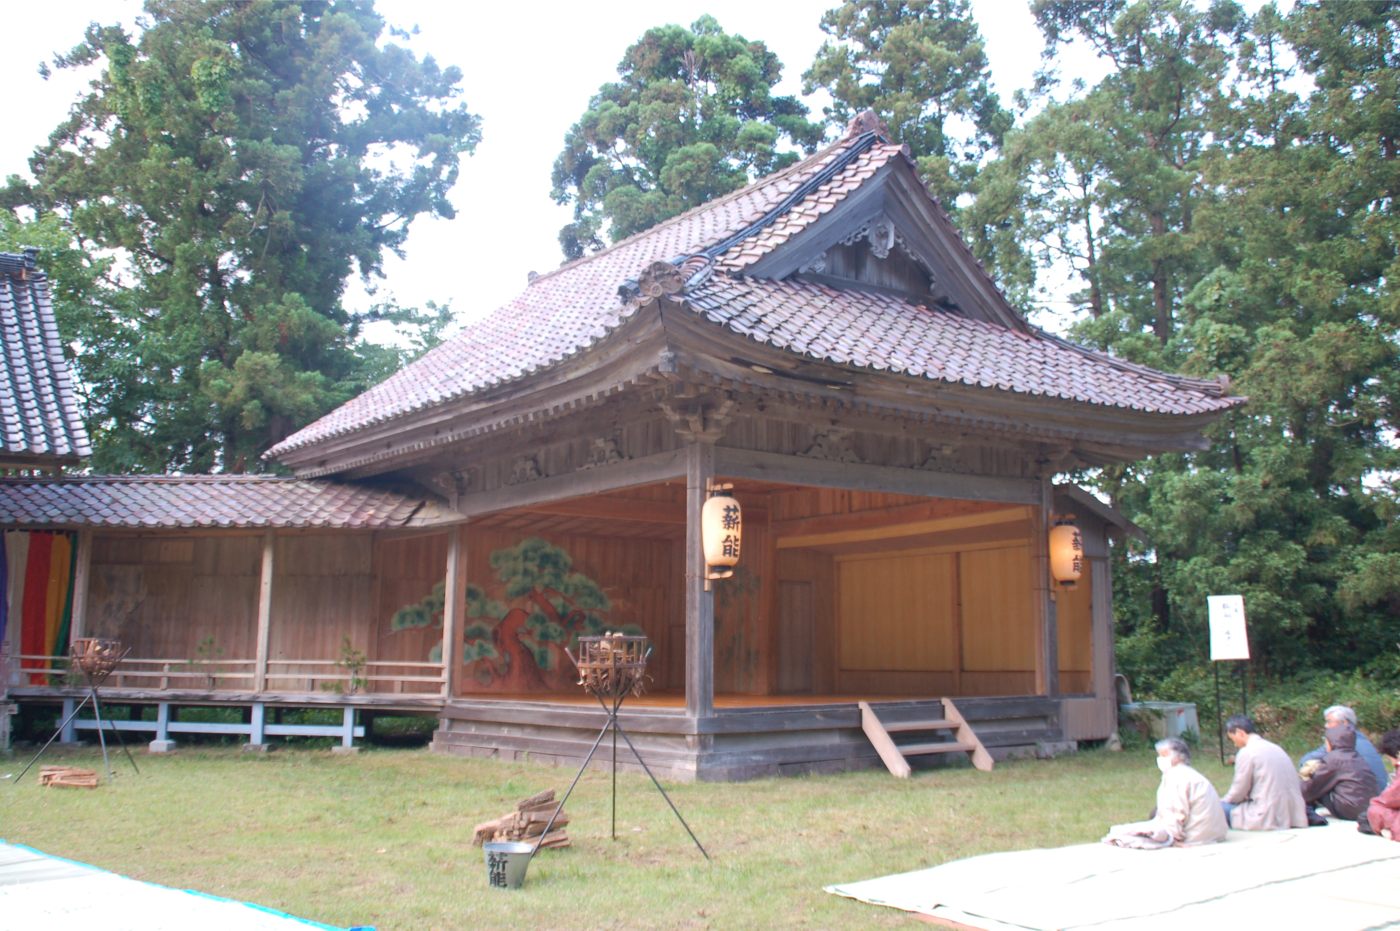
[[881, 238], [881, 234]]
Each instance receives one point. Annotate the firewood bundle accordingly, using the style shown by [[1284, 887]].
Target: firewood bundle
[[612, 665], [96, 656], [67, 777], [526, 823]]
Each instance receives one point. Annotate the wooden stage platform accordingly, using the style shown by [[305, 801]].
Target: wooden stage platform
[[676, 700], [747, 736]]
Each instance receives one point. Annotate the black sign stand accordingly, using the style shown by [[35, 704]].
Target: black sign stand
[[1243, 671]]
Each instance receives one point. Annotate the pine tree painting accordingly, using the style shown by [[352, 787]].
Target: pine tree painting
[[517, 645]]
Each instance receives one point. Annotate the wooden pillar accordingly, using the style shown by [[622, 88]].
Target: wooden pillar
[[699, 603], [264, 614], [1096, 555], [1048, 656], [82, 572], [454, 604]]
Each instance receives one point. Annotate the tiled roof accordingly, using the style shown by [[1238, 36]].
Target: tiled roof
[[810, 209], [170, 502], [559, 314], [562, 313], [39, 418], [885, 333]]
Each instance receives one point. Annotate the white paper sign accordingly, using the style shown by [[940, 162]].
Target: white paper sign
[[1228, 639]]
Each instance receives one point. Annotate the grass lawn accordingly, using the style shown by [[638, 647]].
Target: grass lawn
[[383, 838]]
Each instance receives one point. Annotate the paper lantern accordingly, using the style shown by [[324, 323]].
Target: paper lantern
[[721, 532], [1066, 552]]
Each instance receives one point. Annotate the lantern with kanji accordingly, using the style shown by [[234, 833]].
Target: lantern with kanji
[[1066, 552], [721, 532]]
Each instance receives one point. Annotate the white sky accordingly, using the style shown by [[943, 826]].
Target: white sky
[[528, 72]]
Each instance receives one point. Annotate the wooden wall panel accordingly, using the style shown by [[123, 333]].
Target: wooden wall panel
[[175, 597], [1088, 718], [230, 555], [998, 611], [905, 683], [322, 593], [741, 648], [815, 571], [802, 503], [998, 683], [407, 572], [1075, 620], [897, 612], [796, 636]]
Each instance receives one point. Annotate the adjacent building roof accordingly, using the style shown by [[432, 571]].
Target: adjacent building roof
[[170, 502], [713, 250], [40, 425]]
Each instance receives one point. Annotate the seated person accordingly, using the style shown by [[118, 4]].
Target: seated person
[[1266, 794], [1188, 808], [1383, 815], [1341, 780], [1341, 714]]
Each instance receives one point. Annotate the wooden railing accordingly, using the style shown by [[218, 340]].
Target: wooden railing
[[377, 676], [212, 675]]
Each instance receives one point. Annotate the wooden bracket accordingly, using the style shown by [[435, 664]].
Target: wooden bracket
[[700, 417]]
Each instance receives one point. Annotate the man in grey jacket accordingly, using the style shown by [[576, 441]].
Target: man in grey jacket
[[1266, 794], [1336, 716]]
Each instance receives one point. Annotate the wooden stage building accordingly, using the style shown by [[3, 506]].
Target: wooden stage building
[[822, 341]]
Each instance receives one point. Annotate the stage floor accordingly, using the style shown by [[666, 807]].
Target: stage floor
[[676, 700]]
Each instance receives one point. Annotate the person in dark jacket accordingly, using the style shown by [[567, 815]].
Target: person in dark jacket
[[1342, 782], [1341, 714]]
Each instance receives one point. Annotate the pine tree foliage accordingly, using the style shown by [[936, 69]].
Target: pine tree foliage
[[237, 162], [1226, 196], [692, 117], [922, 67]]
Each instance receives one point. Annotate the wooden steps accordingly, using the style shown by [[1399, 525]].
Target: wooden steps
[[959, 738]]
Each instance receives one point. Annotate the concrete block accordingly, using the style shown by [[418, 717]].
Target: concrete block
[[339, 749], [161, 746], [257, 748], [1158, 719]]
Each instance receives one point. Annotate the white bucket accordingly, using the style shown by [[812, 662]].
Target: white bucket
[[506, 862]]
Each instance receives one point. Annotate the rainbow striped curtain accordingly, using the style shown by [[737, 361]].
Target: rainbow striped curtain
[[37, 610]]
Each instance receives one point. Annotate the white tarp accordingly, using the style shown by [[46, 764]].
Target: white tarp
[[40, 891], [1332, 877]]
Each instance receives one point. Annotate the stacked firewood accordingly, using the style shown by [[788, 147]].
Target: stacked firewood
[[67, 777], [526, 823], [613, 665]]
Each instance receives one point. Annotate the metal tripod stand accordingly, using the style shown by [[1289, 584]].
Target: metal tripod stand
[[96, 658], [610, 668]]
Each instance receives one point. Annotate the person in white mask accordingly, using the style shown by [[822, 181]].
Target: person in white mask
[[1188, 807]]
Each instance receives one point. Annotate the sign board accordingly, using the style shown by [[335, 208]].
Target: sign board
[[1228, 638]]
